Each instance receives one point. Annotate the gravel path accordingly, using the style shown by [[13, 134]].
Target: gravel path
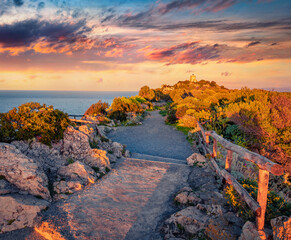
[[132, 200], [153, 137]]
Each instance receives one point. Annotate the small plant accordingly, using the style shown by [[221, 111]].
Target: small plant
[[2, 177], [163, 112], [107, 169], [93, 144], [10, 221], [276, 206], [96, 169], [110, 152], [104, 139], [70, 161]]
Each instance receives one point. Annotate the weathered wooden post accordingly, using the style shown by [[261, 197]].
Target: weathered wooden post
[[262, 197], [228, 160], [207, 140], [214, 148]]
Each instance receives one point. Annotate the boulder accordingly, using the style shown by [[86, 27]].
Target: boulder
[[89, 131], [211, 209], [48, 158], [67, 187], [19, 211], [117, 149], [77, 171], [75, 144], [227, 226], [73, 177], [187, 196], [196, 159], [98, 158], [189, 220], [250, 232], [281, 227], [22, 172], [182, 198]]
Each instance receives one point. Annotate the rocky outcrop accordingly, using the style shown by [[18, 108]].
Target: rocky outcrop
[[22, 172], [75, 144], [73, 178], [196, 159], [47, 158], [187, 196], [281, 228], [19, 211], [228, 226], [250, 232], [98, 158], [188, 221]]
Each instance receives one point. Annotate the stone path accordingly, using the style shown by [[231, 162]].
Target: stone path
[[132, 200], [153, 137]]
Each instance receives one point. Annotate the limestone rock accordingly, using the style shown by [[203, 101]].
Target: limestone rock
[[6, 187], [211, 209], [75, 144], [182, 198], [77, 171], [89, 131], [67, 187], [196, 159], [250, 232], [127, 153], [22, 171], [227, 226], [48, 158], [191, 220], [73, 177], [187, 196], [98, 158], [281, 228], [19, 211]]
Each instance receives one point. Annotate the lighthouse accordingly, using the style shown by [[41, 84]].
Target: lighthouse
[[193, 78]]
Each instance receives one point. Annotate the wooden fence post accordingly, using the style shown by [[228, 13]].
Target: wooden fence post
[[207, 140], [214, 148], [262, 197], [228, 161]]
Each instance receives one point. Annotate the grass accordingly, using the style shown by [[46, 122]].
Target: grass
[[70, 161], [163, 112], [10, 221]]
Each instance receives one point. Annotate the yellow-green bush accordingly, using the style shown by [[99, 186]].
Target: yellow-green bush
[[276, 206], [32, 120]]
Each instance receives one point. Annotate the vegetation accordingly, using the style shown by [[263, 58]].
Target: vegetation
[[276, 206], [98, 108], [121, 106], [255, 119], [33, 120]]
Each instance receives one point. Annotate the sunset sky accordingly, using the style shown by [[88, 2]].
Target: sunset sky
[[119, 45]]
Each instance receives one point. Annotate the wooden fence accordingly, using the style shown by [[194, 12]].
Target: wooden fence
[[265, 167]]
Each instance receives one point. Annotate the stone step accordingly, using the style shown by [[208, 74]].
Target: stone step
[[147, 157]]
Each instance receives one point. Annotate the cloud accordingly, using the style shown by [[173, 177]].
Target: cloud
[[18, 3], [253, 43], [195, 53], [23, 33], [204, 6], [225, 74]]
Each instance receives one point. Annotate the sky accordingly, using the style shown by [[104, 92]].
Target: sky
[[122, 45]]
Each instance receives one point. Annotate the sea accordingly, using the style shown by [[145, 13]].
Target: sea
[[71, 102]]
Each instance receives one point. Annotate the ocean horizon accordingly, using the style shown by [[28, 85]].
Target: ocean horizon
[[71, 102]]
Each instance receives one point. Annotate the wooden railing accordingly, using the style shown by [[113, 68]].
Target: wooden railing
[[265, 167]]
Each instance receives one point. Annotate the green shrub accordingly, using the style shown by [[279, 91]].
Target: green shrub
[[276, 206], [32, 120], [70, 161], [98, 108], [122, 105]]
